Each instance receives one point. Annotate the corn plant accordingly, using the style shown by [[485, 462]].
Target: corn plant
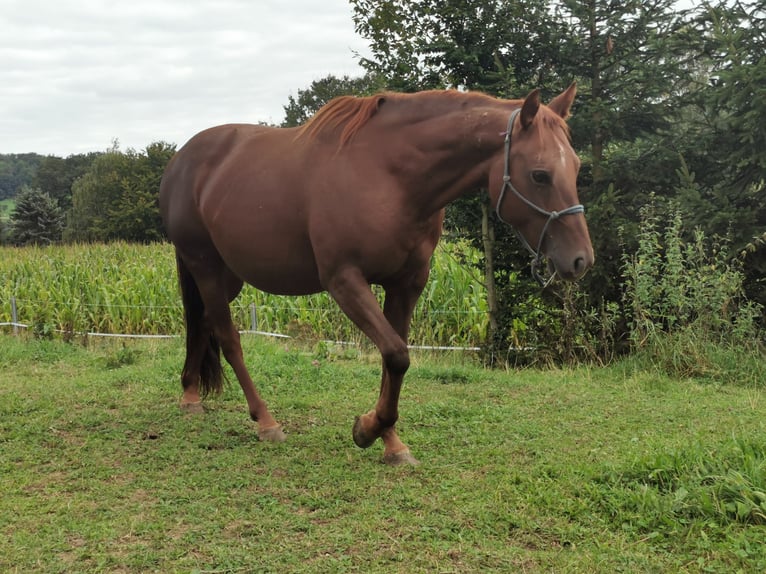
[[131, 289]]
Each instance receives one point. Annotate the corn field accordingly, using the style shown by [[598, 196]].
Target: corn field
[[126, 288]]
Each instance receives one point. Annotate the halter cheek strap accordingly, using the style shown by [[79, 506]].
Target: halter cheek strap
[[537, 254]]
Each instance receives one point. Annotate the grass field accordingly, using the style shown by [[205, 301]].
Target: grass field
[[587, 470]]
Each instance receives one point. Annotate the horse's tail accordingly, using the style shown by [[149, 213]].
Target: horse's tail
[[199, 337]]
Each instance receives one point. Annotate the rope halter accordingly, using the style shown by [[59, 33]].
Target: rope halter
[[537, 255]]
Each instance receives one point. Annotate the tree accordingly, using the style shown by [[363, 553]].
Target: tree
[[3, 224], [499, 47], [36, 220], [94, 194], [117, 197], [629, 63], [632, 61], [736, 98], [693, 141], [17, 171], [667, 105], [56, 175], [136, 214], [730, 151], [299, 110]]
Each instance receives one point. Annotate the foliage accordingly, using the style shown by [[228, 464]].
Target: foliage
[[735, 102], [586, 470], [635, 66], [628, 62], [55, 175], [488, 45], [667, 101], [118, 196], [685, 298], [699, 157], [299, 110], [6, 207], [728, 150], [36, 219], [753, 260], [17, 171], [135, 216]]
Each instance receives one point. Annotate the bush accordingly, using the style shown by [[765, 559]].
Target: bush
[[684, 300]]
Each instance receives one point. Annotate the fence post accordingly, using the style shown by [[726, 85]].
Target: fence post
[[14, 316], [253, 318]]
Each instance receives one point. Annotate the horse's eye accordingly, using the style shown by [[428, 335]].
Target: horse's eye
[[541, 177]]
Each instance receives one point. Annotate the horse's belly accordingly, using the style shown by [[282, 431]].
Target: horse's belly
[[282, 264], [261, 243], [284, 279]]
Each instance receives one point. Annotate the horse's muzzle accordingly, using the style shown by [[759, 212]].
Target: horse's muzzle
[[574, 265]]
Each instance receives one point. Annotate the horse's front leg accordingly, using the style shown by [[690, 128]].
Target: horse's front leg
[[400, 302], [388, 330], [381, 421]]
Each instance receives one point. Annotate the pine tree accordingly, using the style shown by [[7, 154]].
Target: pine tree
[[37, 219]]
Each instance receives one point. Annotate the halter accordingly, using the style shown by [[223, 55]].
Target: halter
[[551, 215]]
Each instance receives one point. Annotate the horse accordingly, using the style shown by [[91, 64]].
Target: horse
[[356, 197]]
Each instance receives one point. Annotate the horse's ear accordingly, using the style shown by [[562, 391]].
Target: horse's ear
[[562, 103], [529, 108]]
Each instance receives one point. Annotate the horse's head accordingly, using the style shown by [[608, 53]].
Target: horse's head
[[538, 193]]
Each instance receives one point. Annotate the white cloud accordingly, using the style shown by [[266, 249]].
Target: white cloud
[[76, 74]]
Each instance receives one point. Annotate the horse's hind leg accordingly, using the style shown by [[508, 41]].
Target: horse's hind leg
[[217, 287], [196, 347], [202, 367]]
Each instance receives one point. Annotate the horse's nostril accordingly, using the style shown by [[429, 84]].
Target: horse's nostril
[[579, 266]]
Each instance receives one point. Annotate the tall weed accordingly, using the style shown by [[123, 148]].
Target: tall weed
[[687, 313]]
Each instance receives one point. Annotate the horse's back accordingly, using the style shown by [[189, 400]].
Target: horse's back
[[195, 162], [202, 157]]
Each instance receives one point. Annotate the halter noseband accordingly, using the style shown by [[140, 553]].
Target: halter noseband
[[551, 215]]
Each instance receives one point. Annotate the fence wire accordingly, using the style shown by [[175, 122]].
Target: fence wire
[[253, 330]]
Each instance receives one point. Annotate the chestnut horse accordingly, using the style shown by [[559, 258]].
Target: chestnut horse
[[356, 196]]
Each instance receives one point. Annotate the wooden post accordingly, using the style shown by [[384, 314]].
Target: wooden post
[[488, 238]]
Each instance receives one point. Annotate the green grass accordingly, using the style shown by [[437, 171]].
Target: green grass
[[584, 470]]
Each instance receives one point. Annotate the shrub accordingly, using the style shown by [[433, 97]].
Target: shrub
[[684, 299]]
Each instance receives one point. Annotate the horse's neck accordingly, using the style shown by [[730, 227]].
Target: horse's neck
[[447, 151]]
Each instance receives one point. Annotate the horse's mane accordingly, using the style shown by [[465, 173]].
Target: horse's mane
[[351, 112]]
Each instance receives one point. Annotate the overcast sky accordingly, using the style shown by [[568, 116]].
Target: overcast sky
[[77, 74]]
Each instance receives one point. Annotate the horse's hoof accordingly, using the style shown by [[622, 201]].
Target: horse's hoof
[[361, 439], [194, 408], [272, 434], [403, 457]]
